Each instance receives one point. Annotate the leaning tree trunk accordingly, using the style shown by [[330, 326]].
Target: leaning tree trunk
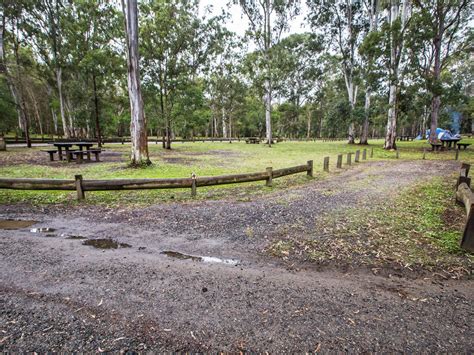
[[138, 131]]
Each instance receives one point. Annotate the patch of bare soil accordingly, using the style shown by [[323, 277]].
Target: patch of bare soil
[[58, 294]]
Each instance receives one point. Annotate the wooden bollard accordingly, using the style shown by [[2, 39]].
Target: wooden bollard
[[397, 154], [424, 153], [193, 185], [310, 168], [357, 155], [467, 242], [326, 164], [79, 189], [364, 154], [339, 161], [349, 158], [457, 154], [269, 182], [372, 152]]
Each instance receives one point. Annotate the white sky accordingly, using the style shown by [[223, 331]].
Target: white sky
[[239, 23]]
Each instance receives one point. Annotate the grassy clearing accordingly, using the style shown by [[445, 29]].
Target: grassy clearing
[[204, 159], [419, 229]]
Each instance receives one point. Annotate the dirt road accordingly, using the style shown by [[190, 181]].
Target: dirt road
[[60, 295]]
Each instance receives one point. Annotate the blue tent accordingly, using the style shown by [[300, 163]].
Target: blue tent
[[442, 134]]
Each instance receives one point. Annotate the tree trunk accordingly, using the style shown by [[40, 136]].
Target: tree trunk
[[96, 104], [59, 83], [268, 82], [373, 21], [395, 48], [37, 114], [224, 126], [21, 97], [4, 70], [391, 133], [72, 126], [365, 128], [55, 120], [308, 126], [268, 111], [168, 133], [352, 95], [138, 131], [436, 100]]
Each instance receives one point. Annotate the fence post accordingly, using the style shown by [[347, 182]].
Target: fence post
[[424, 153], [372, 152], [310, 168], [457, 154], [356, 157], [349, 158], [398, 153], [193, 185], [269, 182], [339, 161], [326, 164], [364, 154], [467, 242], [79, 189], [467, 167]]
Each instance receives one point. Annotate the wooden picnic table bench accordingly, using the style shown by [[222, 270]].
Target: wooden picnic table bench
[[51, 153], [437, 146], [79, 154], [65, 148], [450, 142], [464, 145], [252, 140]]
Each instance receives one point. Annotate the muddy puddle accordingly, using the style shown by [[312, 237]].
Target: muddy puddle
[[11, 224], [205, 259], [105, 244]]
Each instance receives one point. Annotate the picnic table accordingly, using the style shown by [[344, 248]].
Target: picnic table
[[405, 138], [448, 143], [69, 152], [464, 145], [252, 140]]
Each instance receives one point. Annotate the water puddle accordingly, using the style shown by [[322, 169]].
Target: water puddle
[[205, 259], [105, 244], [12, 224], [42, 230]]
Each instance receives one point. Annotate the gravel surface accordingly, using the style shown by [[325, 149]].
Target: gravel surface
[[57, 294]]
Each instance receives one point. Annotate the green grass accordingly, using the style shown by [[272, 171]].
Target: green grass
[[420, 229], [204, 159]]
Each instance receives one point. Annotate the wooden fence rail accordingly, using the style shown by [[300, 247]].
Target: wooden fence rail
[[465, 196], [81, 185]]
